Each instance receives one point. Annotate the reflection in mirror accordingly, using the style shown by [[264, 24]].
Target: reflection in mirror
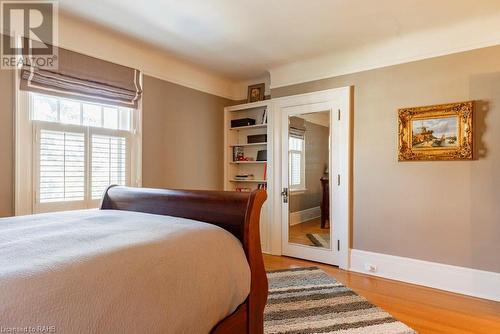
[[308, 166]]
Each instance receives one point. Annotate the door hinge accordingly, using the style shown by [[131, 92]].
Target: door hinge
[[338, 115], [338, 179], [338, 245]]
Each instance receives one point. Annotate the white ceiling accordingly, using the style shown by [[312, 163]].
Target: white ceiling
[[242, 39]]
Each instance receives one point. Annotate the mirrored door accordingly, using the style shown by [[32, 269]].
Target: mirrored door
[[307, 226]]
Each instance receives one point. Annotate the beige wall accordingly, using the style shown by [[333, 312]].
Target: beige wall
[[6, 143], [447, 212], [182, 137]]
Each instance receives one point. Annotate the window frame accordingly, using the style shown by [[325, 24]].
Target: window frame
[[26, 166]]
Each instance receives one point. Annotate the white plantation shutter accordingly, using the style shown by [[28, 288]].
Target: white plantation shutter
[[109, 163], [295, 168], [296, 160], [79, 150], [62, 166]]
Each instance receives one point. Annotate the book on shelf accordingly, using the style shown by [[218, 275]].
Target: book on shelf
[[264, 117]]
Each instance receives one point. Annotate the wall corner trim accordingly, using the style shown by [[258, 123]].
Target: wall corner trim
[[466, 281]]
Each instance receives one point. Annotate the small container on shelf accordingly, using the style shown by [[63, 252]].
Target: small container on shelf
[[244, 177], [236, 123], [252, 139]]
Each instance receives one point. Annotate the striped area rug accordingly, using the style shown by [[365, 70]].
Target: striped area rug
[[307, 300], [319, 240]]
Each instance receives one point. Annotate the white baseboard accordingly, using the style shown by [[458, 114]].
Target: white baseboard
[[304, 215], [467, 281]]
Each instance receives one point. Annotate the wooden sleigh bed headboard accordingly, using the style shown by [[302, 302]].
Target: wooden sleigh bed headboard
[[236, 212]]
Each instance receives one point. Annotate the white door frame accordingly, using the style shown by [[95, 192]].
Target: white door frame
[[340, 101]]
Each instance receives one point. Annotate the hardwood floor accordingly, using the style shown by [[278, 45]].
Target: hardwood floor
[[424, 309], [298, 233]]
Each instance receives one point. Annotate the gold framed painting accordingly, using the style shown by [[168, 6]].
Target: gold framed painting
[[439, 132], [256, 92]]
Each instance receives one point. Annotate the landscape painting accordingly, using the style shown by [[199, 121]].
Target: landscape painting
[[435, 133]]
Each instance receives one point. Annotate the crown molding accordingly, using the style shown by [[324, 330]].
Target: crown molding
[[89, 38], [459, 37]]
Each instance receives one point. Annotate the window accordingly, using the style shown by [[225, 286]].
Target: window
[[64, 111], [79, 149], [296, 157]]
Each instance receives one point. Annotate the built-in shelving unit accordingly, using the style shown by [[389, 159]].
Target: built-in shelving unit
[[236, 140]]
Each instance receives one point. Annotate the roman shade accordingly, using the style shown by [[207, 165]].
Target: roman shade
[[86, 78], [297, 133]]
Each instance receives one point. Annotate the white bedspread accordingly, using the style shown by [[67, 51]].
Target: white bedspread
[[118, 272]]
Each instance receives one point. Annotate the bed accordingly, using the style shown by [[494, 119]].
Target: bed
[[150, 260]]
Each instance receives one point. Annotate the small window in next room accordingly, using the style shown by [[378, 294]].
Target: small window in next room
[[297, 162]]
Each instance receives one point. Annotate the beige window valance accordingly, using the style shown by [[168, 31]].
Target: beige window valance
[[86, 78], [297, 133]]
